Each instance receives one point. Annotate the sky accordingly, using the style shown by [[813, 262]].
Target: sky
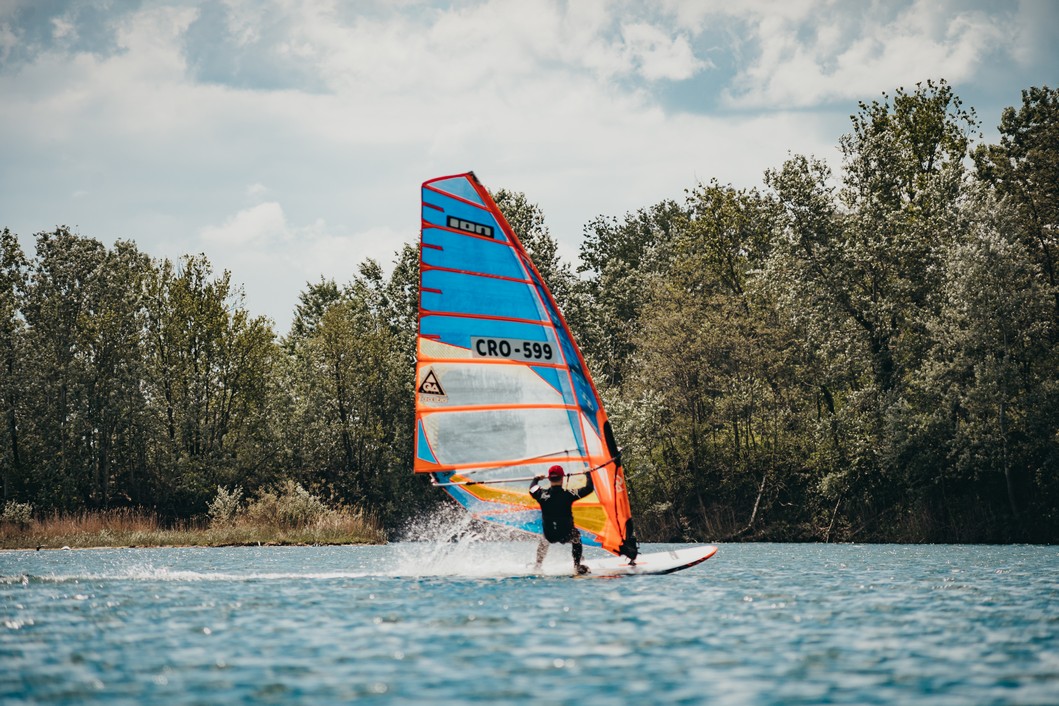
[[287, 139]]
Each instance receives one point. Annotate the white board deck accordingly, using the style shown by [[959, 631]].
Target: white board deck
[[654, 563]]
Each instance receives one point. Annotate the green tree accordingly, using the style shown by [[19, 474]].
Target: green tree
[[854, 275], [401, 306], [352, 380], [313, 301], [804, 278], [709, 362], [209, 377], [13, 273], [903, 174], [82, 401], [619, 258], [1024, 168], [727, 235], [109, 333], [59, 301], [989, 391]]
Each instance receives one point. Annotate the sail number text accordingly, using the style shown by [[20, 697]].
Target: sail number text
[[511, 348]]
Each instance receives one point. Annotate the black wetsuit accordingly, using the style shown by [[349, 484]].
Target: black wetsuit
[[557, 516]]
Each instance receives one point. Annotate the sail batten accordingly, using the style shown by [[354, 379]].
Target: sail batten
[[472, 315], [500, 382], [486, 275]]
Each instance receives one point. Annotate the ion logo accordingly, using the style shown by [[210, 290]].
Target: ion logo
[[470, 227]]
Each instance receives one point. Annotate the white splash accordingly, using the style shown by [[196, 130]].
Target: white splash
[[449, 542]]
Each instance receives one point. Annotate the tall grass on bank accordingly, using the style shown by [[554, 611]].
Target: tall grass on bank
[[287, 515]]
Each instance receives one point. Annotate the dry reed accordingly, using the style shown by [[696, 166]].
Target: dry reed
[[137, 528]]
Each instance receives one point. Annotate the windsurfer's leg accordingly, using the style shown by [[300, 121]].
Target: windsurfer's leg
[[542, 551], [576, 548]]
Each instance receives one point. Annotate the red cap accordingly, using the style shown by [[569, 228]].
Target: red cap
[[556, 472]]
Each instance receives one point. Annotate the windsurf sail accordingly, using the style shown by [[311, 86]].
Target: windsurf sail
[[502, 390]]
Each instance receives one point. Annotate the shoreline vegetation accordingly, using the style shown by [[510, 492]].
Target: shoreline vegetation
[[283, 516], [858, 349]]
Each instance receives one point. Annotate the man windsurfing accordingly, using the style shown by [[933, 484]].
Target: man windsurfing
[[557, 517]]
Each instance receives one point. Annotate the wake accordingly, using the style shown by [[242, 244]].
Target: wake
[[448, 543]]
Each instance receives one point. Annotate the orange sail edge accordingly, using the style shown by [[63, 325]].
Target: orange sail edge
[[616, 536]]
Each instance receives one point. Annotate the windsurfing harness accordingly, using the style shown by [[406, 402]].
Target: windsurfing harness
[[557, 505]]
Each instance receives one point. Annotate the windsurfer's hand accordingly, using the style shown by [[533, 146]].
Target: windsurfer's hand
[[536, 478]]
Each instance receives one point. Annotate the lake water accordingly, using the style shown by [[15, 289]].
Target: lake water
[[414, 623]]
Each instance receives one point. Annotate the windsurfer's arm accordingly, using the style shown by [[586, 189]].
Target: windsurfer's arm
[[534, 489], [586, 489]]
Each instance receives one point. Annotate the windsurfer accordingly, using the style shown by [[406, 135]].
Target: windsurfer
[[557, 515]]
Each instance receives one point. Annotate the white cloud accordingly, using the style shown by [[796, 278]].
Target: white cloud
[[62, 29], [840, 51], [260, 223], [273, 259], [659, 56], [556, 99], [694, 15], [1033, 32], [256, 191], [8, 41]]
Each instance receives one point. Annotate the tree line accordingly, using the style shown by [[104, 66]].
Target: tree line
[[864, 354], [132, 382]]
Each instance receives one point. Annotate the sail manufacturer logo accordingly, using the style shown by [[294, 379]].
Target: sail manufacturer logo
[[430, 386], [470, 227]]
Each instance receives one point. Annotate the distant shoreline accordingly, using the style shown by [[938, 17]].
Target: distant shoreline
[[336, 543], [87, 543], [122, 529]]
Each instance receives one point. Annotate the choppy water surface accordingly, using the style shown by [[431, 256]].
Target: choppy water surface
[[457, 623]]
